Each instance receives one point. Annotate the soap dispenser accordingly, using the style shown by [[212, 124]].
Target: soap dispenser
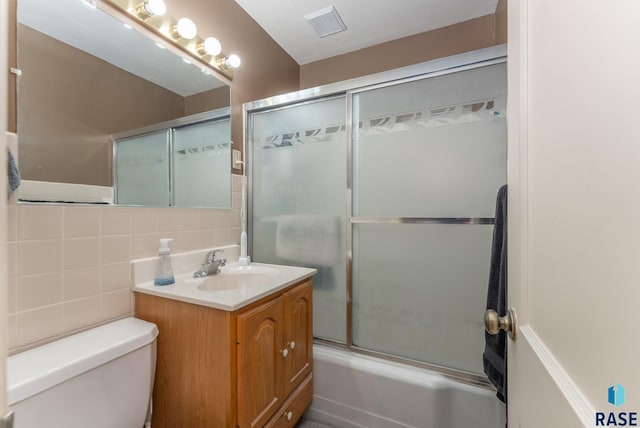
[[164, 271]]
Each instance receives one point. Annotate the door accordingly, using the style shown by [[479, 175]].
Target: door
[[298, 200], [574, 205], [260, 364]]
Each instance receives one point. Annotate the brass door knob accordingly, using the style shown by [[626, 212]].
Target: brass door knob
[[493, 323]]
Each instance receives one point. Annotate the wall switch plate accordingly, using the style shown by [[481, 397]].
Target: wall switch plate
[[237, 159]]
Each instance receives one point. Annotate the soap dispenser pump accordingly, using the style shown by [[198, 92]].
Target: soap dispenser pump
[[164, 271]]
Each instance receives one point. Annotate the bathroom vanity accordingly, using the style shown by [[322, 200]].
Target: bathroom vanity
[[234, 349]]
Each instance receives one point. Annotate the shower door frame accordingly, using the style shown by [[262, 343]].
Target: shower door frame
[[348, 88]]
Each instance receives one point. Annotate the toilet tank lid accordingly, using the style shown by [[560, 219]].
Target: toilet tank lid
[[38, 369]]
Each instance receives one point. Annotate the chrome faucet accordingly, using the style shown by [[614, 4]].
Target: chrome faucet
[[210, 266]]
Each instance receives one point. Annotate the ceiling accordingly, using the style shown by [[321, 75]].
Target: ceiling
[[369, 22]]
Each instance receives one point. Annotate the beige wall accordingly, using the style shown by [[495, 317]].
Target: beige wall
[[501, 22], [458, 38], [69, 266], [208, 100], [12, 60]]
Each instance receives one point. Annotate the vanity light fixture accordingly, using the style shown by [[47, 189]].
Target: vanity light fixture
[[150, 8], [210, 46], [232, 61], [184, 28], [181, 34]]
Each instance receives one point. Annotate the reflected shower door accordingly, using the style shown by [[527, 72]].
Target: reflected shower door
[[201, 154], [142, 170], [428, 158], [299, 163]]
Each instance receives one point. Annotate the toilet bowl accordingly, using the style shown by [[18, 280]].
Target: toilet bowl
[[99, 378]]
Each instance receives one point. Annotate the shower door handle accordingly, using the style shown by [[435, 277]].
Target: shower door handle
[[493, 323]]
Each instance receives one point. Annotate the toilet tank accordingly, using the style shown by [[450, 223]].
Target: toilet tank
[[99, 378]]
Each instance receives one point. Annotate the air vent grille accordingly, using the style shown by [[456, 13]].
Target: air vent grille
[[326, 21]]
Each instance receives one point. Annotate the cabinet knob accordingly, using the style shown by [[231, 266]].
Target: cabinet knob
[[292, 345], [285, 352], [289, 415]]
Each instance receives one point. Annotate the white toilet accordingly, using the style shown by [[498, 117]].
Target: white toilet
[[99, 378]]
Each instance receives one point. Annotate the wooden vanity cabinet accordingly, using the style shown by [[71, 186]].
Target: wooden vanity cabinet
[[249, 369]]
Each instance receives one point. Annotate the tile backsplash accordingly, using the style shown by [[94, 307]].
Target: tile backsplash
[[69, 265]]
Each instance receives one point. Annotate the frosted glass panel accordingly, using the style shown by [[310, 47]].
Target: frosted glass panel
[[142, 170], [202, 165], [420, 291], [299, 200], [429, 148], [432, 148]]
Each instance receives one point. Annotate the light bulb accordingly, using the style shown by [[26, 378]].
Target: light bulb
[[155, 7], [210, 46], [150, 8], [233, 61], [185, 28]]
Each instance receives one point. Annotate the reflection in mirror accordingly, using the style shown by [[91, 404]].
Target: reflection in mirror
[[182, 163], [85, 77]]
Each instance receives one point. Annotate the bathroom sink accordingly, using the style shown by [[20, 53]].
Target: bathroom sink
[[237, 278], [234, 287], [233, 281]]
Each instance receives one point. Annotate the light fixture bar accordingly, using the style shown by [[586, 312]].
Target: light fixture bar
[[171, 34]]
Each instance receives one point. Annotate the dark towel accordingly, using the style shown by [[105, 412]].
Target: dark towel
[[13, 173], [495, 350]]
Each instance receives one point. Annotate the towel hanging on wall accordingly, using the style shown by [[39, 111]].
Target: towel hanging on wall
[[495, 350], [13, 173]]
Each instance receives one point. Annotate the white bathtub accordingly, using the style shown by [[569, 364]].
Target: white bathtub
[[356, 391]]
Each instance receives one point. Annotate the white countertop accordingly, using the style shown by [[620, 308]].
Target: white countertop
[[262, 280]]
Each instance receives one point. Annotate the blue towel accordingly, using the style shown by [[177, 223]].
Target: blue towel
[[495, 350], [13, 173]]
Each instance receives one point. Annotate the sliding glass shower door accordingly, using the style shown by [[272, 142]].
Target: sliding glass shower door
[[428, 158], [389, 191], [299, 173]]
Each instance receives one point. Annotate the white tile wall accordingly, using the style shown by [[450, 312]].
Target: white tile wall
[[69, 266]]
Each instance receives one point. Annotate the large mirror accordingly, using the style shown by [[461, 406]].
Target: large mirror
[[85, 78]]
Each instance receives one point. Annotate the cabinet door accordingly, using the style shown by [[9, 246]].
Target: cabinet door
[[298, 335], [260, 364]]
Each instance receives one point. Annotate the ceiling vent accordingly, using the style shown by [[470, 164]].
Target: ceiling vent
[[326, 21]]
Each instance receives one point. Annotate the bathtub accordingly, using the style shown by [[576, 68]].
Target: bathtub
[[356, 391]]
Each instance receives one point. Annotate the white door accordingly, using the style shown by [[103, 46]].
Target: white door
[[574, 212]]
